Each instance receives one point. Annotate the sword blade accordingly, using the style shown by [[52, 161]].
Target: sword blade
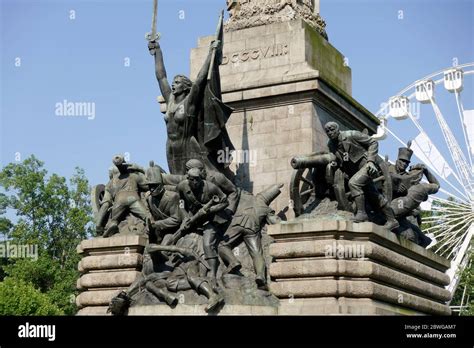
[[153, 19]]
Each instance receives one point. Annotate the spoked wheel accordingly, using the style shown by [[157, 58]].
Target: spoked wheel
[[302, 189], [97, 195], [342, 195]]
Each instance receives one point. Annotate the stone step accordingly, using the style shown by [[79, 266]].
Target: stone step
[[96, 297], [286, 251], [357, 269], [318, 229], [107, 279], [125, 244], [93, 310], [358, 289], [105, 262], [182, 309], [341, 306]]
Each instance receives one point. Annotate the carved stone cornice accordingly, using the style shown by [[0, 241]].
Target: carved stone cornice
[[252, 13]]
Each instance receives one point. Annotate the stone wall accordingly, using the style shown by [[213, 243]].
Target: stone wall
[[108, 266], [340, 267], [285, 81]]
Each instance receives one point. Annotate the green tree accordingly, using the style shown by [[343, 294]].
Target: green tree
[[18, 297], [464, 294], [52, 215]]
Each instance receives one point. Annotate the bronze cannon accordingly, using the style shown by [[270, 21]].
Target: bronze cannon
[[317, 176]]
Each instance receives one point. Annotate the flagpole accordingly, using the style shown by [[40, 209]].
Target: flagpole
[[213, 58]]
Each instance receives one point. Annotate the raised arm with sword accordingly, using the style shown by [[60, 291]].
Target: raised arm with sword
[[153, 35]]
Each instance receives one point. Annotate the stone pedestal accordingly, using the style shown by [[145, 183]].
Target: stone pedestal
[[285, 81], [319, 267], [108, 266], [340, 267], [198, 310]]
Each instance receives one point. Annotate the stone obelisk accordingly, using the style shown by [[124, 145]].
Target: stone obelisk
[[284, 80]]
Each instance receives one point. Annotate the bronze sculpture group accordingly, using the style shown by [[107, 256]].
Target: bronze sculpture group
[[195, 216], [190, 225], [354, 175]]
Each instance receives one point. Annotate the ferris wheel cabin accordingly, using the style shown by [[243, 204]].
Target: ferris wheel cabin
[[424, 91], [398, 107], [453, 80]]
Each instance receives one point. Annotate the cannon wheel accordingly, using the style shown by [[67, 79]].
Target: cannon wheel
[[97, 195], [343, 197], [301, 189]]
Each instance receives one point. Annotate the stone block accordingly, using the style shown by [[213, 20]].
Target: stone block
[[266, 153], [129, 243], [367, 230], [360, 288], [341, 306], [263, 127], [256, 115], [288, 124], [125, 260], [265, 179], [276, 112], [307, 121], [356, 269], [182, 309], [318, 248], [232, 97], [284, 175], [287, 151], [282, 165], [346, 261], [259, 41], [94, 310], [301, 135], [96, 297], [309, 306], [108, 279]]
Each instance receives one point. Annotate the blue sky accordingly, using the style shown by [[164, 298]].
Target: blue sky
[[83, 59]]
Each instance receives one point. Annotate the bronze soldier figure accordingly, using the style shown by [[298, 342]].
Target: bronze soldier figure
[[166, 216], [409, 192], [221, 181], [178, 268], [106, 202], [401, 180], [253, 212], [122, 192], [196, 194], [356, 154]]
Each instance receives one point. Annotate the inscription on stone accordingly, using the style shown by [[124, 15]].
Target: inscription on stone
[[256, 53]]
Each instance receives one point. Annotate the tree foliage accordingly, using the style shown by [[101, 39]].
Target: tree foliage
[[18, 297], [51, 214], [464, 295]]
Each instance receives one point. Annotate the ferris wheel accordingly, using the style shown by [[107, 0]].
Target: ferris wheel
[[431, 113]]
